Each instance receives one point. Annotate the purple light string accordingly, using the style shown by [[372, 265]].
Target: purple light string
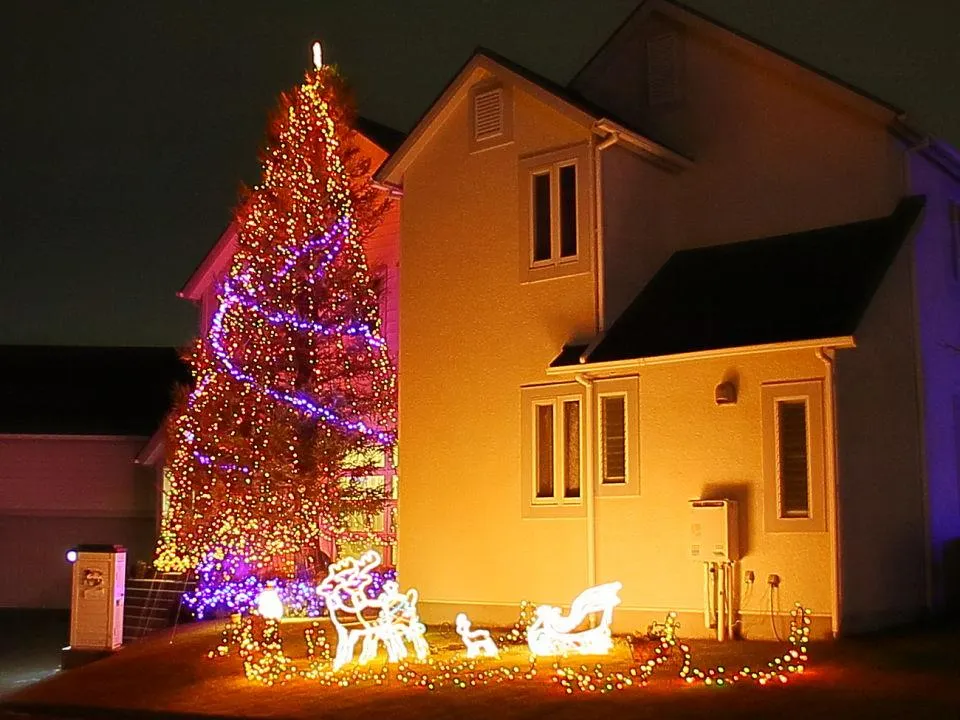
[[330, 243]]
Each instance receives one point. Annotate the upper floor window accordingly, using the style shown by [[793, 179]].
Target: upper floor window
[[490, 115], [554, 197], [663, 69], [793, 456], [555, 214]]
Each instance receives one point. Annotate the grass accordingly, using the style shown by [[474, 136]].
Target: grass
[[901, 675]]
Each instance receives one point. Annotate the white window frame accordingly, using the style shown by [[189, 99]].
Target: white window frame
[[553, 396], [627, 388], [811, 393], [550, 163]]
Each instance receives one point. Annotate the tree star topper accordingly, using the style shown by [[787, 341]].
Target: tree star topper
[[317, 55]]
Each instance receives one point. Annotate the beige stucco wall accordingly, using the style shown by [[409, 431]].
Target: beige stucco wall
[[776, 149], [473, 335], [692, 448], [881, 488]]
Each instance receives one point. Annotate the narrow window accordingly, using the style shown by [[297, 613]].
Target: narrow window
[[614, 441], [571, 449], [568, 211], [663, 78], [544, 445], [793, 466], [541, 217]]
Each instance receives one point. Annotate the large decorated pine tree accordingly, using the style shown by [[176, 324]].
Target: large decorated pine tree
[[294, 390]]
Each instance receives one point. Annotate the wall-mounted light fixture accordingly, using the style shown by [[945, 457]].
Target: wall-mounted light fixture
[[726, 393]]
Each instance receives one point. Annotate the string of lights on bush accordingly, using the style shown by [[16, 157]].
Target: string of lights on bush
[[257, 642]]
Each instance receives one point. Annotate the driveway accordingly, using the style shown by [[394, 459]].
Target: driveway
[[30, 644]]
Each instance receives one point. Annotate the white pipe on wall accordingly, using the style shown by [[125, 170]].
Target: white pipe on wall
[[721, 601], [730, 620], [707, 599], [588, 490]]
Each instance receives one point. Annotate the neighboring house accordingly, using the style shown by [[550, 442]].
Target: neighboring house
[[375, 141], [702, 270], [72, 420]]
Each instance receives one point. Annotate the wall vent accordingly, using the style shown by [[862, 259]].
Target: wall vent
[[488, 114]]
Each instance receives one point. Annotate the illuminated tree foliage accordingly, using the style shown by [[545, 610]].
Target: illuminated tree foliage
[[294, 391]]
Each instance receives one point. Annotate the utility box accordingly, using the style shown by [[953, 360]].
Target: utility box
[[713, 531], [96, 606]]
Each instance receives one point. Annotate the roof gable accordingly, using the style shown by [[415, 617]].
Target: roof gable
[[485, 64], [838, 88], [802, 286]]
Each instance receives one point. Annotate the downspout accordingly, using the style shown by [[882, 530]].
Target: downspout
[[599, 303], [826, 355], [588, 489]]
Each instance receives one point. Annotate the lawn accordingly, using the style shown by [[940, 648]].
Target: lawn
[[909, 675]]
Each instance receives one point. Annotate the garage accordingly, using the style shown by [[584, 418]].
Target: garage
[[72, 421]]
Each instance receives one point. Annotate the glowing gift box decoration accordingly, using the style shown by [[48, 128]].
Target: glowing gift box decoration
[[395, 624], [478, 642], [552, 633]]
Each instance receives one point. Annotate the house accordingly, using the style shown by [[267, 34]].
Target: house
[[72, 420], [375, 142], [701, 271]]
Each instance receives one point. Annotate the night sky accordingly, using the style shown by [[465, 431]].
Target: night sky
[[128, 127]]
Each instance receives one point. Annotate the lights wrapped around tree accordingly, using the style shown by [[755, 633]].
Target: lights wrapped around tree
[[292, 377]]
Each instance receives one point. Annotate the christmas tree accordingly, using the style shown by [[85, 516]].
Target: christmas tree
[[294, 390]]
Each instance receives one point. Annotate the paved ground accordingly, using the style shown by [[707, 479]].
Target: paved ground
[[30, 643], [909, 675]]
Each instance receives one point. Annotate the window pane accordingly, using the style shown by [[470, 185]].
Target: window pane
[[541, 217], [571, 449], [568, 211], [613, 431], [544, 442], [792, 452]]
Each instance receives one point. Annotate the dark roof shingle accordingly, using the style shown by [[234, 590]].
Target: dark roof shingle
[[802, 286]]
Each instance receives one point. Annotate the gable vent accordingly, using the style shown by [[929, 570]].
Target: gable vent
[[488, 114], [663, 71]]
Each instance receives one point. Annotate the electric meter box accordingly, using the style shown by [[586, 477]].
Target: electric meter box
[[96, 606], [713, 531]]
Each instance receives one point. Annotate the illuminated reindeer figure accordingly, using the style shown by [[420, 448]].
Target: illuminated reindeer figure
[[553, 634], [345, 590]]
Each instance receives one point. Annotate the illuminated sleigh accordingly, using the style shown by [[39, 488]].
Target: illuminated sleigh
[[395, 622], [553, 633]]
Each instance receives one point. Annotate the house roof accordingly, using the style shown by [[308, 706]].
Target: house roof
[[675, 9], [803, 286], [380, 135], [484, 59], [53, 390]]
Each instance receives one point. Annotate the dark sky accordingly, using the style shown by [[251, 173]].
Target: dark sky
[[128, 126]]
